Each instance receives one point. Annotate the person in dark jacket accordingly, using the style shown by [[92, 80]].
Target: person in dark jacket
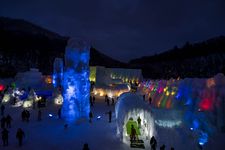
[[85, 147], [113, 101], [110, 116], [139, 122], [107, 100], [27, 116], [2, 109], [91, 101], [3, 122], [39, 115], [94, 99], [20, 135], [133, 134], [90, 116], [106, 97], [150, 100], [8, 121], [162, 147], [59, 113], [5, 137], [153, 143]]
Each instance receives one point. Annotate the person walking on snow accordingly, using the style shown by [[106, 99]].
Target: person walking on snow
[[153, 143], [39, 115], [3, 122], [106, 97], [8, 121], [90, 116], [113, 101], [93, 99], [20, 135], [110, 116], [59, 113], [133, 134], [150, 100], [139, 122], [2, 109], [107, 100], [5, 137]]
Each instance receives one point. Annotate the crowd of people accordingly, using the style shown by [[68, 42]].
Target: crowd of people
[[6, 125], [25, 117]]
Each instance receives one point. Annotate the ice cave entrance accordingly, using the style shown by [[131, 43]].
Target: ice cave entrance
[[129, 109]]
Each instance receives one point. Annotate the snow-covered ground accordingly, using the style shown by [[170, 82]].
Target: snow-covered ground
[[100, 134]]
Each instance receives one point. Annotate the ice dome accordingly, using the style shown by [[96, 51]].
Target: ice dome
[[32, 78], [130, 106]]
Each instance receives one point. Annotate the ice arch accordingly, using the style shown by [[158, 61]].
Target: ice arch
[[132, 105]]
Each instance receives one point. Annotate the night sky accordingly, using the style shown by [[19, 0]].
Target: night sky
[[125, 29]]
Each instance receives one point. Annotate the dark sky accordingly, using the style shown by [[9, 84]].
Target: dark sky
[[125, 29]]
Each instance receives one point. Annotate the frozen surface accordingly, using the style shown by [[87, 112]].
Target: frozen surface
[[100, 135]]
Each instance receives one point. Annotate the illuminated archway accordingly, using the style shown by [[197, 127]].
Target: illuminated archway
[[132, 106]]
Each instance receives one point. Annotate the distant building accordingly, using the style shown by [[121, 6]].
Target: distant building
[[102, 75]]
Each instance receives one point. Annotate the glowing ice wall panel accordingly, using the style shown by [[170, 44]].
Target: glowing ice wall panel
[[92, 74], [76, 84], [57, 72]]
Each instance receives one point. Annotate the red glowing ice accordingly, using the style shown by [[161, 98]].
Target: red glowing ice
[[206, 104]]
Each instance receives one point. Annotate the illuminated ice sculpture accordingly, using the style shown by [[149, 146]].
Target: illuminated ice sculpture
[[58, 72], [131, 105], [76, 84]]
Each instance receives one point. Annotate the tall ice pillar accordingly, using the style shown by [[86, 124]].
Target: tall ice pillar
[[76, 84], [57, 72]]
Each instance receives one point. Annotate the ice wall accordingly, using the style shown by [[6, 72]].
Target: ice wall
[[76, 84], [58, 72], [201, 99]]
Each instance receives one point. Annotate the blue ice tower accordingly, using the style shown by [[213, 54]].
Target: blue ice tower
[[57, 72], [76, 84]]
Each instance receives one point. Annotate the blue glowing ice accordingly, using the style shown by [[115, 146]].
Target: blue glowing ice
[[76, 84], [203, 138], [57, 72]]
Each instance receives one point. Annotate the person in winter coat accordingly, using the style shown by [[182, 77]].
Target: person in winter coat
[[59, 113], [3, 121], [5, 137], [39, 115], [110, 116], [85, 147], [20, 135], [94, 99], [139, 122], [153, 143], [27, 115], [2, 109], [133, 133], [113, 101], [8, 121], [90, 116], [162, 147]]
